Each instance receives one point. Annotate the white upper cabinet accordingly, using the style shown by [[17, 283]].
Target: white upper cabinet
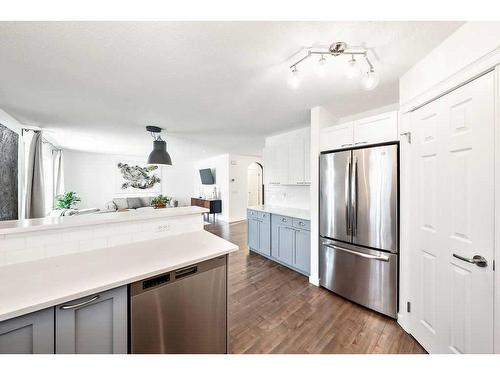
[[287, 159], [374, 129], [337, 136]]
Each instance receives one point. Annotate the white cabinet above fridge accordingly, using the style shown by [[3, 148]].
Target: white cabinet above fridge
[[369, 130]]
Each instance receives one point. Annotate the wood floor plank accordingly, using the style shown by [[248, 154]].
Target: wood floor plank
[[273, 309]]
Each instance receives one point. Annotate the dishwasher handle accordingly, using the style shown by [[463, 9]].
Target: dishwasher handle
[[179, 274]]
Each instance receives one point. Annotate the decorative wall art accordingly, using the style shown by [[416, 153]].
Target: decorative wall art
[[9, 141], [137, 177]]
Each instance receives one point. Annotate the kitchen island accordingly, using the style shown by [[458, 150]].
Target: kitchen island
[[77, 301]]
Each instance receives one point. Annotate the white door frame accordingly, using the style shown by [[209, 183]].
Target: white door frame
[[482, 65]]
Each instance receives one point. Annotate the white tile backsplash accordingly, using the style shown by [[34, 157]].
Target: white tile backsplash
[[16, 248], [287, 196]]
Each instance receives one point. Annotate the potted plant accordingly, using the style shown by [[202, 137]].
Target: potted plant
[[67, 200], [160, 201]]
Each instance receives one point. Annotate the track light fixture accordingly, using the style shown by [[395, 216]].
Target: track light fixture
[[370, 78]]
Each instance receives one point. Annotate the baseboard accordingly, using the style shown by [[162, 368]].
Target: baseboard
[[314, 280], [403, 322]]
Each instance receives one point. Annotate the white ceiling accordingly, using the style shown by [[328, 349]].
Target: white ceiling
[[94, 85]]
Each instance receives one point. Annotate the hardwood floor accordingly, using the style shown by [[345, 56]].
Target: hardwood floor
[[275, 310]]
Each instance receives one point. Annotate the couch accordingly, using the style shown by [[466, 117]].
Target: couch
[[129, 203]]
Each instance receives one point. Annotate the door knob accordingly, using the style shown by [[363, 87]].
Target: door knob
[[478, 260]]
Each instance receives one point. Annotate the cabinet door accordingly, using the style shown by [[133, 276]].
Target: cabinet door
[[296, 159], [376, 129], [285, 239], [28, 334], [265, 237], [281, 160], [307, 158], [337, 136], [303, 250], [96, 324], [253, 234]]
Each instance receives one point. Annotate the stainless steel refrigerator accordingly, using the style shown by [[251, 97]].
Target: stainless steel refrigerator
[[359, 225]]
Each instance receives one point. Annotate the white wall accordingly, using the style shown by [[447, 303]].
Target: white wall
[[231, 180], [238, 185], [470, 42], [92, 176], [372, 112], [220, 167], [320, 118]]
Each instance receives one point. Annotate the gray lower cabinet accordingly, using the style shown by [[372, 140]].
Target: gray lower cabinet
[[96, 324], [28, 334], [291, 245], [283, 243], [303, 250], [283, 238], [259, 232]]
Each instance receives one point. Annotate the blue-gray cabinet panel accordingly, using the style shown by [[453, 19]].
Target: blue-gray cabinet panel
[[96, 324], [265, 237], [284, 245], [253, 233], [303, 251], [28, 334]]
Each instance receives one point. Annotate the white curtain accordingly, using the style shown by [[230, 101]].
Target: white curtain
[[35, 192], [58, 168]]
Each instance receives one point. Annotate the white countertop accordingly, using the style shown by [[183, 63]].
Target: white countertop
[[27, 225], [285, 211], [31, 286]]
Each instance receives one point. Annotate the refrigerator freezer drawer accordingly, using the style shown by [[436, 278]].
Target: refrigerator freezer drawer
[[364, 276]]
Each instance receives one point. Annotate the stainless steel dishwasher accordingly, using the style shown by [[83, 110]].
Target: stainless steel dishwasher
[[183, 311]]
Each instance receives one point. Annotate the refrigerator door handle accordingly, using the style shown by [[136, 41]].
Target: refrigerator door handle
[[363, 255], [354, 196], [347, 193]]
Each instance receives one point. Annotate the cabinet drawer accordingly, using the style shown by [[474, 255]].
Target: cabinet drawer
[[251, 214], [282, 220], [265, 216], [302, 224]]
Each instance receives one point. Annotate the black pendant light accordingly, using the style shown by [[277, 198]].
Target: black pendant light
[[159, 155]]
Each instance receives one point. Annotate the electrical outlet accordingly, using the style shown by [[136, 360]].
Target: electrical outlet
[[163, 228]]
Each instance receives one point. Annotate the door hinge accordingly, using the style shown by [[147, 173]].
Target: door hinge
[[408, 306], [408, 136]]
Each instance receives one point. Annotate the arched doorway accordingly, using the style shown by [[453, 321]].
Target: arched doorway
[[255, 186]]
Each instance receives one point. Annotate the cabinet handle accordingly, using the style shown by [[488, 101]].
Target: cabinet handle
[[68, 307], [346, 144], [360, 143]]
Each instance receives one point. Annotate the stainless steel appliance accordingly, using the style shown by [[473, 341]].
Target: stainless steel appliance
[[359, 225], [183, 311]]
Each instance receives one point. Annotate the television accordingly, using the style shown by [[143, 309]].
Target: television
[[207, 178]]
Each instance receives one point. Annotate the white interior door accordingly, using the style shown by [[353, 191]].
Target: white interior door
[[453, 216], [254, 185]]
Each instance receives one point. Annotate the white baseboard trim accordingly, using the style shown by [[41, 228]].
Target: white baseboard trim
[[314, 280], [403, 322]]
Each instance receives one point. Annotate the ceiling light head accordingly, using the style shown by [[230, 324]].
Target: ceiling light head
[[338, 48], [353, 71], [159, 155], [321, 66], [294, 78], [370, 80]]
